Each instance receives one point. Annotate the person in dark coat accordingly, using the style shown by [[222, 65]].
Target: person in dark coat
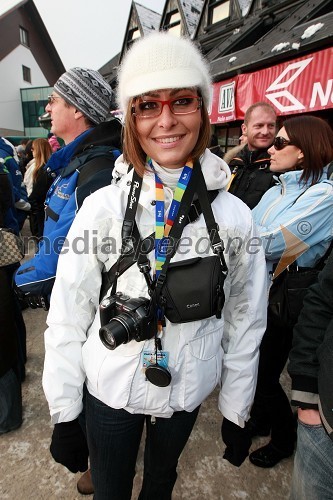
[[9, 165], [311, 371], [41, 183], [10, 387], [251, 176]]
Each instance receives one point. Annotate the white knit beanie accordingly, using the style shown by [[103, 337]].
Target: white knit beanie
[[162, 61]]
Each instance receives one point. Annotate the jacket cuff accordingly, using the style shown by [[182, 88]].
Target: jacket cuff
[[305, 384], [67, 414], [304, 400]]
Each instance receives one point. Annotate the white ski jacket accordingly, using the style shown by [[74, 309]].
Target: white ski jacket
[[202, 354]]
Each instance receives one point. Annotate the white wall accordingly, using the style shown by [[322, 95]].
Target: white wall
[[11, 81]]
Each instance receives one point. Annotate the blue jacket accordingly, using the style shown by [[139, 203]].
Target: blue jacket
[[95, 149], [306, 212]]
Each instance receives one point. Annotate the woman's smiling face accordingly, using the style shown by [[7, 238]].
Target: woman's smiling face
[[169, 139]]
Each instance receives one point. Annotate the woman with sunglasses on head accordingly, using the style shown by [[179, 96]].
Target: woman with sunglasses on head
[[295, 222], [156, 358]]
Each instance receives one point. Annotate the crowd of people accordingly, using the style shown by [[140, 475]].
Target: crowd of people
[[141, 330]]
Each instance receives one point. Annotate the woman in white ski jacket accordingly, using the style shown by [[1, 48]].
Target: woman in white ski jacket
[[164, 88]]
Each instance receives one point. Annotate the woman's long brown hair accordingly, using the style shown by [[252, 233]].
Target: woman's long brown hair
[[314, 137], [43, 151]]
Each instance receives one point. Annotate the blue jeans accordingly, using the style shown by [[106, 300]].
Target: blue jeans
[[114, 438], [313, 464]]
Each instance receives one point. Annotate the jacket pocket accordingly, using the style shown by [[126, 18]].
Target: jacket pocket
[[203, 368], [110, 373]]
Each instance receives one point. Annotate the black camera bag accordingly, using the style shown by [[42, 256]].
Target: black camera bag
[[193, 289]]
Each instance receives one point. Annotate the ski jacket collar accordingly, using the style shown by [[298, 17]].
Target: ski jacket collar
[[250, 158], [216, 171], [290, 179], [63, 156]]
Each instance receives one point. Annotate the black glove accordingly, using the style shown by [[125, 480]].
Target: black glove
[[238, 442], [35, 301], [32, 301], [69, 446]]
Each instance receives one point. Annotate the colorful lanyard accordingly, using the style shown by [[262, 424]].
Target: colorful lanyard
[[162, 230]]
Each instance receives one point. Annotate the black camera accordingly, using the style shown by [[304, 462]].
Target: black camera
[[124, 318]]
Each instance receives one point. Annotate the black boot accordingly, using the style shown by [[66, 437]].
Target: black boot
[[268, 456]]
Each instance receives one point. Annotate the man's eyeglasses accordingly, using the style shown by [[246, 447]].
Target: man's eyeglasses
[[280, 143], [151, 108], [52, 98]]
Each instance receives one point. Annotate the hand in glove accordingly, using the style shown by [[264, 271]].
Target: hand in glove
[[35, 301], [237, 441], [69, 446]]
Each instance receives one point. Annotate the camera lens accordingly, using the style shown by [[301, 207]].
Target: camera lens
[[118, 331]]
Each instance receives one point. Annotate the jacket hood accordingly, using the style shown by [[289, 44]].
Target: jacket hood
[[105, 134], [6, 147], [216, 172]]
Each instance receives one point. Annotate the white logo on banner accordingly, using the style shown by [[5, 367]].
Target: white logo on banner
[[227, 97], [295, 69]]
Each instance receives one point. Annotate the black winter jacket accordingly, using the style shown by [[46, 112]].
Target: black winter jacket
[[311, 357], [251, 177], [8, 347]]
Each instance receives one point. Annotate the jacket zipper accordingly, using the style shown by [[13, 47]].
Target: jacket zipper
[[268, 211]]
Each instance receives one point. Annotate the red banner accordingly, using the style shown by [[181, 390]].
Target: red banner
[[301, 85]]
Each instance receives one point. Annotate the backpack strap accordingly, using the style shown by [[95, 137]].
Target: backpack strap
[[95, 174], [95, 164]]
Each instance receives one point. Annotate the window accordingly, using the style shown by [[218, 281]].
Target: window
[[133, 35], [228, 137], [34, 100], [173, 23], [24, 37], [218, 11], [26, 74]]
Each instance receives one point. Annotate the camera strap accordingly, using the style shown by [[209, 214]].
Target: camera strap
[[127, 243], [134, 250], [129, 221], [199, 186]]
